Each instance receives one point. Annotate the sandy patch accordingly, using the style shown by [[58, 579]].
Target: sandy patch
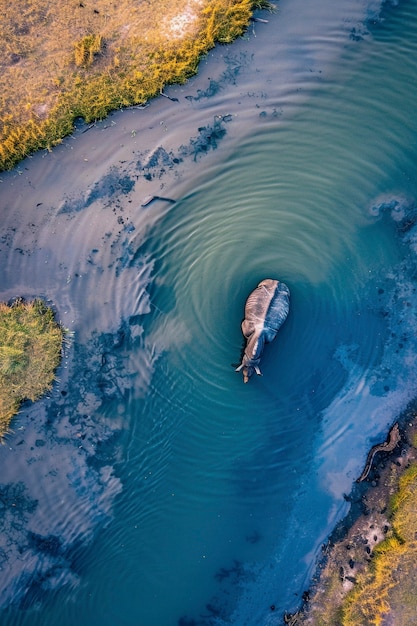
[[181, 24]]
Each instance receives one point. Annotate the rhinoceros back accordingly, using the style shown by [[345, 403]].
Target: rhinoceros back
[[277, 312], [257, 306]]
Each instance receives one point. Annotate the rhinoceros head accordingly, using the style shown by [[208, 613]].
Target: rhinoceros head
[[252, 356], [248, 367]]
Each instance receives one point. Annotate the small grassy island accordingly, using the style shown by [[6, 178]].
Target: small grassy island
[[30, 351], [84, 58]]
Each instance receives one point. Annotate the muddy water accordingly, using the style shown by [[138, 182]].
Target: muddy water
[[152, 488]]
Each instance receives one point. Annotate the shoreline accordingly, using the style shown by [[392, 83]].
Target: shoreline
[[351, 552], [107, 59]]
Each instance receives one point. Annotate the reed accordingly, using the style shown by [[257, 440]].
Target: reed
[[30, 351], [84, 59]]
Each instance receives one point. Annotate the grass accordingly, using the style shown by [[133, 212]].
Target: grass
[[30, 351], [84, 58], [390, 584]]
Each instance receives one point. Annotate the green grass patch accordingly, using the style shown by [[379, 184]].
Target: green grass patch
[[72, 59], [30, 351]]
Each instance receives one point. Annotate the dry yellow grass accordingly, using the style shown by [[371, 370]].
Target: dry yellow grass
[[83, 58], [389, 585]]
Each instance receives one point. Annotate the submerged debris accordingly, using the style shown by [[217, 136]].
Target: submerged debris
[[147, 201]]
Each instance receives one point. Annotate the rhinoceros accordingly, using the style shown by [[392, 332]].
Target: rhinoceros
[[266, 309]]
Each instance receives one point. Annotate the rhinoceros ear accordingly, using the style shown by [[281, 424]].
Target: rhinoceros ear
[[239, 368], [258, 371]]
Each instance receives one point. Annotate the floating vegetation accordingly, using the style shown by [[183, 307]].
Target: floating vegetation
[[207, 139], [62, 61], [30, 351]]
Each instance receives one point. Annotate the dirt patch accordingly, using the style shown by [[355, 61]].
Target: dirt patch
[[184, 22]]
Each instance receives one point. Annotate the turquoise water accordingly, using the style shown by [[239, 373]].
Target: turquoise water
[[152, 487]]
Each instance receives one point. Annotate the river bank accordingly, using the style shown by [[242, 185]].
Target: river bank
[[367, 574], [85, 59]]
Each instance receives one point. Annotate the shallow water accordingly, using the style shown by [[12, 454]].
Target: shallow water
[[152, 488]]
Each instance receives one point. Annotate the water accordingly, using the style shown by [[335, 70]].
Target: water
[[153, 488]]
